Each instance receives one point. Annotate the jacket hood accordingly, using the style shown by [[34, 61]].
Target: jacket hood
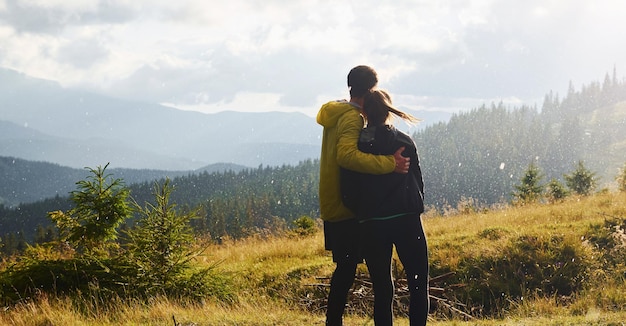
[[330, 112]]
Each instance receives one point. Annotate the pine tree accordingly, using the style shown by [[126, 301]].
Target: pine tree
[[581, 181], [530, 189], [161, 245], [556, 191], [101, 207]]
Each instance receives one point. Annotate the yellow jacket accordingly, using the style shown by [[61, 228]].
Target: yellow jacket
[[342, 124]]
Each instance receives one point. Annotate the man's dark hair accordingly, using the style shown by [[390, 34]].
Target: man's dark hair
[[361, 79]]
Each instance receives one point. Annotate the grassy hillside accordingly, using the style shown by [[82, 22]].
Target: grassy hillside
[[577, 247]]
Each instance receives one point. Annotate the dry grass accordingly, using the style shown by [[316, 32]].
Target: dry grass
[[479, 233], [250, 260], [260, 312], [257, 263]]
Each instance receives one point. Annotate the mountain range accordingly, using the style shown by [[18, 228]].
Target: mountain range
[[42, 121], [23, 181]]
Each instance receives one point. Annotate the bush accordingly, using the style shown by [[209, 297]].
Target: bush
[[156, 261], [610, 240], [581, 181], [530, 189], [59, 277], [161, 250], [526, 265], [101, 207], [305, 225], [555, 191]]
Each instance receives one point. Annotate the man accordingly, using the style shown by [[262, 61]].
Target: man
[[342, 122]]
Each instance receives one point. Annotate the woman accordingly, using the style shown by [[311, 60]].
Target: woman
[[388, 209], [342, 124]]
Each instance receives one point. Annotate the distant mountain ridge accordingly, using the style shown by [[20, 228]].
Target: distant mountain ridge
[[42, 121], [30, 144], [23, 181]]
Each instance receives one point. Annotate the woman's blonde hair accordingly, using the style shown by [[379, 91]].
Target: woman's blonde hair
[[377, 108]]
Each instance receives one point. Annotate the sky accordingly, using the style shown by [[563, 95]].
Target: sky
[[276, 55]]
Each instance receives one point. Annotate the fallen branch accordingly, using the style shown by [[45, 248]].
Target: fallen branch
[[362, 295]]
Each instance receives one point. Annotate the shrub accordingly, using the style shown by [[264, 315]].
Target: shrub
[[581, 181], [530, 189], [161, 250], [305, 225], [157, 260], [526, 265], [59, 277], [101, 207], [555, 191], [493, 233], [609, 238]]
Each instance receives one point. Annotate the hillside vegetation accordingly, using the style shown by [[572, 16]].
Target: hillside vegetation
[[233, 203], [536, 264]]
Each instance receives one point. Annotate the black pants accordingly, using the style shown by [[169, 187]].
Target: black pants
[[342, 238], [407, 234], [340, 285]]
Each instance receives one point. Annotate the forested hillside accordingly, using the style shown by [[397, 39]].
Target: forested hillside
[[234, 203], [480, 154]]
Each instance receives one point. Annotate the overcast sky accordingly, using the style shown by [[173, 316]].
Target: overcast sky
[[269, 55]]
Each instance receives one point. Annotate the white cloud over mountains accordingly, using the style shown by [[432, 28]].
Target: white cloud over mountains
[[294, 55]]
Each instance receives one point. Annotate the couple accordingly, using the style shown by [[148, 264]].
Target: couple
[[371, 198]]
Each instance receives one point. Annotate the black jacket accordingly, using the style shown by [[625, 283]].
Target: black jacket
[[370, 196]]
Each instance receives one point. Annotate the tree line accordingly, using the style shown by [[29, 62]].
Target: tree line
[[234, 204], [482, 153], [533, 187]]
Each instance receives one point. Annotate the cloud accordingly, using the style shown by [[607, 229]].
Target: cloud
[[54, 16], [82, 54], [522, 49], [287, 55]]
